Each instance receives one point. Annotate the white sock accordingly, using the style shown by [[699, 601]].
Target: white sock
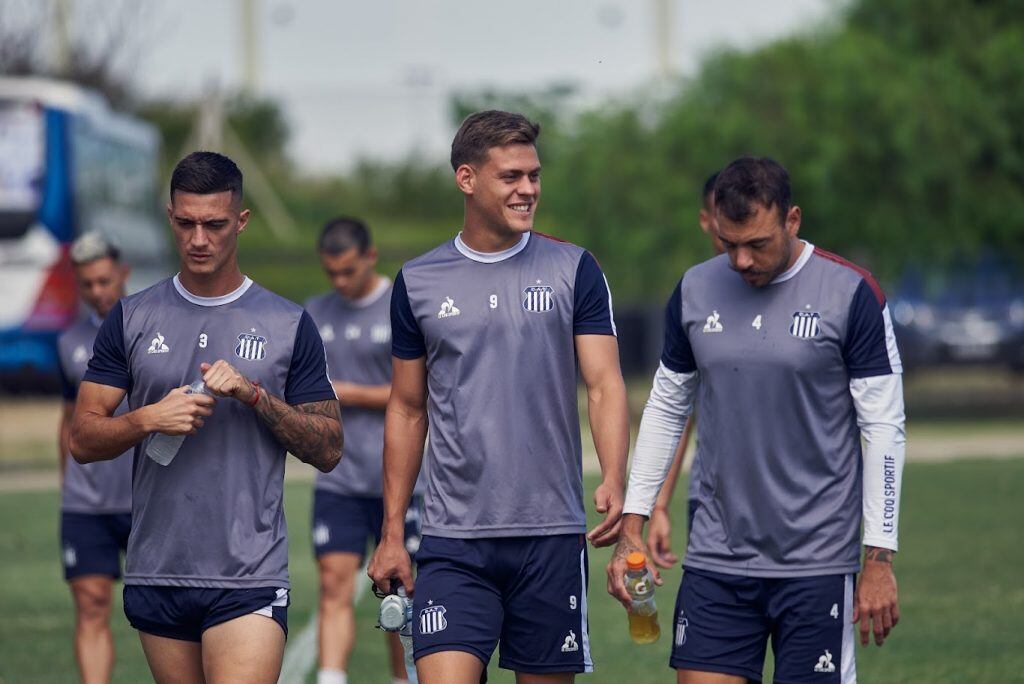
[[331, 677], [396, 680]]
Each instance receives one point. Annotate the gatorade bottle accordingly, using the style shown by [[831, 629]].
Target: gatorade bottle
[[643, 612]]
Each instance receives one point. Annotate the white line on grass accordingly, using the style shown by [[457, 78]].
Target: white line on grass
[[300, 656]]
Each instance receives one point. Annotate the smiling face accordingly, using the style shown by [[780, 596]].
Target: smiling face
[[206, 230], [502, 191], [761, 247]]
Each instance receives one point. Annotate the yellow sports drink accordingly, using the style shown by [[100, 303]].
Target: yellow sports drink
[[643, 611]]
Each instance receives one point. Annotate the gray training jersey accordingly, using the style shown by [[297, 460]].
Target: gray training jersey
[[779, 490], [357, 337], [97, 488], [497, 331], [214, 516]]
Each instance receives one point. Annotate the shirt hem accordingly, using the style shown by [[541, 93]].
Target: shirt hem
[[593, 330], [307, 397], [407, 355], [207, 582], [120, 382], [776, 572], [95, 511], [487, 532]]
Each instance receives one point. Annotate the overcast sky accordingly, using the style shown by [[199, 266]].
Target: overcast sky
[[372, 78]]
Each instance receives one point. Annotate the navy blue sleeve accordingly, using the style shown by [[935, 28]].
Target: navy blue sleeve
[[869, 335], [307, 376], [406, 337], [109, 362], [67, 388], [592, 301], [676, 354]]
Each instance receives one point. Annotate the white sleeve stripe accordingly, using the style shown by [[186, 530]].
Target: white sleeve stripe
[[611, 311], [895, 362]]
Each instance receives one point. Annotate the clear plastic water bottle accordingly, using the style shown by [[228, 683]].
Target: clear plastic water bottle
[[163, 448], [643, 611], [396, 616]]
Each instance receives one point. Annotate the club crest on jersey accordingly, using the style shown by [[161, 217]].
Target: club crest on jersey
[[251, 347], [539, 298], [805, 324], [432, 619]]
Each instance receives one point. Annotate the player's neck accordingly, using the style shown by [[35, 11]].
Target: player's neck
[[223, 282], [796, 248], [487, 239], [372, 283]]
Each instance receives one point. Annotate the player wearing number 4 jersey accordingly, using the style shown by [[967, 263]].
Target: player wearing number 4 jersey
[[487, 331], [206, 574], [788, 351]]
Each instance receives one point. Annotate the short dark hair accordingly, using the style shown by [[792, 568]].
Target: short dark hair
[[342, 234], [709, 190], [206, 173], [492, 128], [748, 180]]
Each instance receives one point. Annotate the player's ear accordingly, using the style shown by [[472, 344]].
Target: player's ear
[[243, 221], [465, 178], [793, 221], [371, 254]]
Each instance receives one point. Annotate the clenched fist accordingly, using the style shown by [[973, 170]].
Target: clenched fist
[[180, 413], [223, 380]]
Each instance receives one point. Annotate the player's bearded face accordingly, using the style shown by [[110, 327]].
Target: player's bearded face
[[206, 229], [760, 248], [506, 187]]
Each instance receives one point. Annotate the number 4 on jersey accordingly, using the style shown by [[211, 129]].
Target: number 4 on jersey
[[756, 325]]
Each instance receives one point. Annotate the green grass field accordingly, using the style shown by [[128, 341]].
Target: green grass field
[[961, 576]]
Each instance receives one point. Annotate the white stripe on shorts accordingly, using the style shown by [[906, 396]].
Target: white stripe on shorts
[[280, 601], [848, 662], [588, 663]]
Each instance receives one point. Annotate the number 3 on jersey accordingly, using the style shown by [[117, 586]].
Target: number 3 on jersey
[[202, 340]]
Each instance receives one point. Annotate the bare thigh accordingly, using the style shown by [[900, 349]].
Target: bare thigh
[[247, 649], [449, 667], [173, 661], [695, 677]]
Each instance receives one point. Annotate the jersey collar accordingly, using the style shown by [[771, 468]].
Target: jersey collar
[[366, 300], [805, 256], [490, 257], [211, 301]]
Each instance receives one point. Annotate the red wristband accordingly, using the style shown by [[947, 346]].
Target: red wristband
[[256, 399]]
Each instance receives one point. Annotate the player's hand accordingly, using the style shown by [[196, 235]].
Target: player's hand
[[180, 413], [629, 542], [223, 380], [876, 604], [659, 539], [391, 561], [608, 499]]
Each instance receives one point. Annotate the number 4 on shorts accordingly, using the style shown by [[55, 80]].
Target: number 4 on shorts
[[835, 611]]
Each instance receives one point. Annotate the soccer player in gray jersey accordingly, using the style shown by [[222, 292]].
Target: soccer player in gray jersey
[[95, 499], [487, 331], [207, 561], [354, 320], [789, 352]]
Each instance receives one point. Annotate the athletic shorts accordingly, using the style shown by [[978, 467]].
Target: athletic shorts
[[346, 524], [527, 593], [722, 623], [184, 613], [92, 543]]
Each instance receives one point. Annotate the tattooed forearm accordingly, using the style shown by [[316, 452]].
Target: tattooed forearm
[[874, 553], [310, 431]]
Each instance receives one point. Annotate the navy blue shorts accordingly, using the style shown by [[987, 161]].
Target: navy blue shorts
[[92, 543], [185, 613], [723, 622], [346, 524], [528, 593]]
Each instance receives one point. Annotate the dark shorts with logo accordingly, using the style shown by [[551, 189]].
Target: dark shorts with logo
[[722, 623], [92, 543], [347, 524], [527, 593]]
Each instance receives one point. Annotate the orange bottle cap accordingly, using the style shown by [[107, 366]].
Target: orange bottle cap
[[636, 561]]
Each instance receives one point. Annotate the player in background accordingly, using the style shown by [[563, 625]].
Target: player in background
[[95, 499], [789, 352], [659, 529], [487, 331], [354, 320], [206, 574]]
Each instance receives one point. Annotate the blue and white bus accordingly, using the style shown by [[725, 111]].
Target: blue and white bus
[[68, 164]]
